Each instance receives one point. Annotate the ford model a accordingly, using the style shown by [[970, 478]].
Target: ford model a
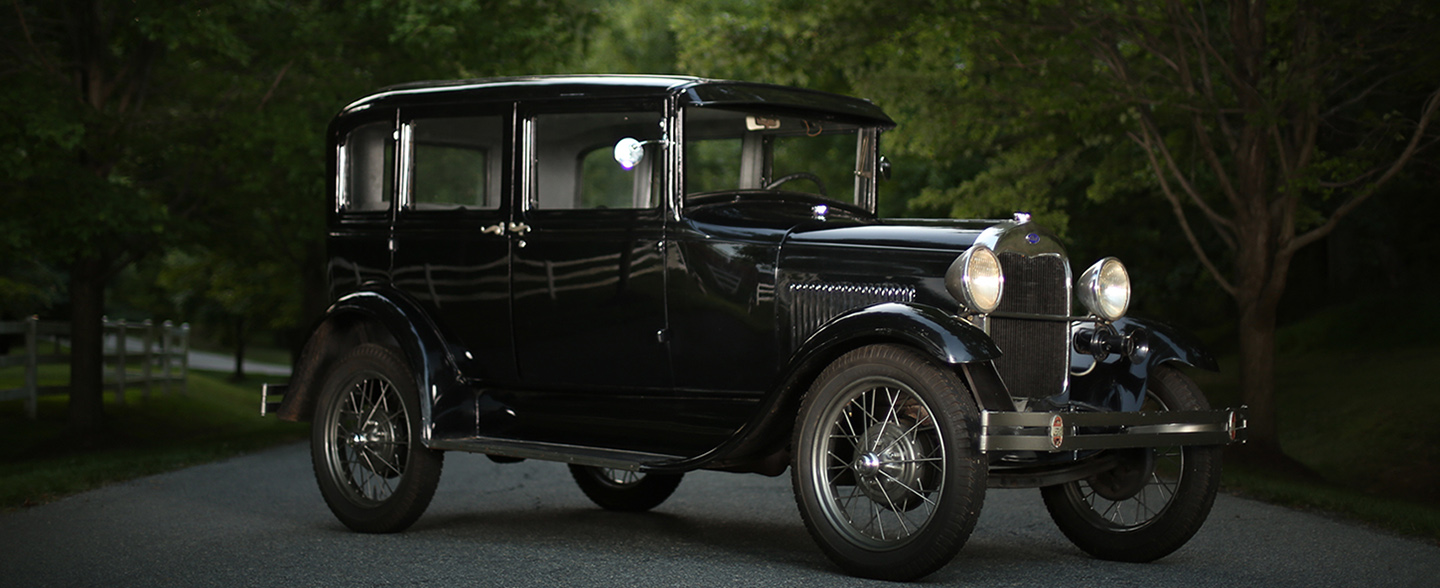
[[644, 276]]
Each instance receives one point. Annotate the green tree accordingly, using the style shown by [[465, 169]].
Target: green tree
[[630, 37], [1262, 125], [130, 127]]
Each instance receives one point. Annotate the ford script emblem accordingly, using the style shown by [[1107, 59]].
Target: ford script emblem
[[1033, 238]]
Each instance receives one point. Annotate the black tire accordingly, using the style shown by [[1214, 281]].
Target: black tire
[[373, 470], [1155, 501], [624, 490], [886, 471]]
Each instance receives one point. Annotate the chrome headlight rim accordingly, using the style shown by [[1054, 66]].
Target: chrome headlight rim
[[1104, 289], [976, 280]]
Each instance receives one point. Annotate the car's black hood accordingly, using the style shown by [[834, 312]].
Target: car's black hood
[[955, 236]]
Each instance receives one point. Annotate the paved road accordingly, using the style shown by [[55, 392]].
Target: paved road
[[205, 360], [259, 521], [219, 362]]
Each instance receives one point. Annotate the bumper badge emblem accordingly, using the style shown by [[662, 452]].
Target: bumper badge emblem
[[1057, 431]]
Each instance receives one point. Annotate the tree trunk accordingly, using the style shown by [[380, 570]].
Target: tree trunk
[[1257, 377], [239, 349], [87, 350]]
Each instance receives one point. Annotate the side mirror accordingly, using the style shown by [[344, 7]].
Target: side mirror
[[629, 152], [884, 167]]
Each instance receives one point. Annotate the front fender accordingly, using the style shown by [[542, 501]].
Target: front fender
[[1169, 344], [937, 333], [947, 339], [1117, 382]]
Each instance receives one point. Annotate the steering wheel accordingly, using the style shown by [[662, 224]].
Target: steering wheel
[[775, 183]]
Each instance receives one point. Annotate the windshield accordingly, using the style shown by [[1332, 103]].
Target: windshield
[[730, 150]]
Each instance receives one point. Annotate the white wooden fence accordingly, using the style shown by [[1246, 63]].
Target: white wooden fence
[[160, 356]]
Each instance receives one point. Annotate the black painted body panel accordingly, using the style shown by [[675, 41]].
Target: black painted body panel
[[689, 329]]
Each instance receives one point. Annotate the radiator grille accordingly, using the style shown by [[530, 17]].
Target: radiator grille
[[813, 304], [1036, 353]]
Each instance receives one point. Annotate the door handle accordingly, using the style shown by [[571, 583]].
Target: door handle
[[518, 229]]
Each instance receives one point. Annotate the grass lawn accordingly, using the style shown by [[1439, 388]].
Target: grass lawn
[[214, 420], [1357, 402]]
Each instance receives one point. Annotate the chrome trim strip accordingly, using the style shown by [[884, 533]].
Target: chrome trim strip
[[1031, 431], [1026, 316], [342, 173], [406, 150]]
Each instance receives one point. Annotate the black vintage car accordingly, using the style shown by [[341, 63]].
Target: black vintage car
[[643, 276]]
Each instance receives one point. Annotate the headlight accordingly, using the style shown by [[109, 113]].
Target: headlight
[[975, 280], [1105, 289]]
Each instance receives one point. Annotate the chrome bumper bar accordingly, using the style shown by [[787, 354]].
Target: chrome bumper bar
[[1075, 431]]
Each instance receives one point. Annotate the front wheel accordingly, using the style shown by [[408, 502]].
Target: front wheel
[[373, 470], [624, 490], [1154, 500], [886, 471]]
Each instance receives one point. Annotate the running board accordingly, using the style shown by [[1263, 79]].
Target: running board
[[635, 461]]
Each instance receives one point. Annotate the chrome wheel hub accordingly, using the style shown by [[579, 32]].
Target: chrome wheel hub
[[889, 470]]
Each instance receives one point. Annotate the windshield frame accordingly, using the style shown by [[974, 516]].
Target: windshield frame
[[756, 159]]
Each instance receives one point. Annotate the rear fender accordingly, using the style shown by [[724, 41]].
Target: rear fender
[[377, 316]]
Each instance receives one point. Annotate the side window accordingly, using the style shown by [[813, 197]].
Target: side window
[[367, 162], [574, 165], [456, 163]]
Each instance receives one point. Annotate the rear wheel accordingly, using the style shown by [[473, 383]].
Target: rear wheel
[[365, 445], [1154, 501], [624, 490], [886, 473]]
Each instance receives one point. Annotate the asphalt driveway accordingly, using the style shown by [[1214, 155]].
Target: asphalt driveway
[[259, 521]]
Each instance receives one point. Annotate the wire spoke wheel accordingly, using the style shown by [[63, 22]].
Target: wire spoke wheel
[[883, 462], [370, 438], [1138, 491], [1154, 500], [885, 470], [624, 490], [365, 445]]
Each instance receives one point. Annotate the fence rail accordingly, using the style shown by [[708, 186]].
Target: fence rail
[[160, 355]]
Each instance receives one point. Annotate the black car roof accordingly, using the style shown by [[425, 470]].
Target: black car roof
[[691, 91]]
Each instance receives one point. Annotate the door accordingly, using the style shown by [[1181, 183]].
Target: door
[[588, 286], [451, 253]]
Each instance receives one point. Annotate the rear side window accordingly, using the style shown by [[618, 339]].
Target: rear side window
[[456, 163], [367, 168]]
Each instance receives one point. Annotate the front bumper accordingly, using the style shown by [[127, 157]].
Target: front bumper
[[1077, 431]]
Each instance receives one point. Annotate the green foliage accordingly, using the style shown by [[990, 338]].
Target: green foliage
[[631, 37], [199, 127]]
